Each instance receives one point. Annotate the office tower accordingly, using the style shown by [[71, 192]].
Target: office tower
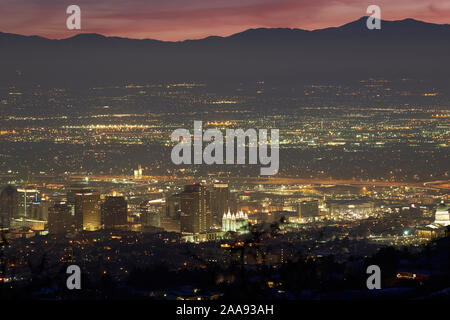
[[26, 198], [114, 212], [9, 206], [78, 187], [195, 214], [87, 210], [173, 206], [171, 220], [152, 212], [170, 225], [138, 173], [61, 219], [220, 202], [39, 208], [442, 215], [308, 209]]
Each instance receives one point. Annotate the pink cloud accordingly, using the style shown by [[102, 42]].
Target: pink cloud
[[183, 19]]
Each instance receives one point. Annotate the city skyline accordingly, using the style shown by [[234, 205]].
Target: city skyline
[[140, 169]]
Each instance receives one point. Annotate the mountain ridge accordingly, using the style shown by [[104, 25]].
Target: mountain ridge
[[401, 48], [250, 30]]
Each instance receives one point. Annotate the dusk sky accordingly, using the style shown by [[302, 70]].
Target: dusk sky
[[193, 19]]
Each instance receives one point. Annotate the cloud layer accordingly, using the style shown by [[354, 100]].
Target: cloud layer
[[192, 19]]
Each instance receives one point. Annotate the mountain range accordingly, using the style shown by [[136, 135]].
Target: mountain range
[[404, 48]]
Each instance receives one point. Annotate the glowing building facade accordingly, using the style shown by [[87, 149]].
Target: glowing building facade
[[195, 216], [442, 216], [235, 222], [87, 211], [152, 212]]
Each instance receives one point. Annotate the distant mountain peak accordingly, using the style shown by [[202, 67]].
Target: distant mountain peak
[[88, 36], [260, 32], [402, 48]]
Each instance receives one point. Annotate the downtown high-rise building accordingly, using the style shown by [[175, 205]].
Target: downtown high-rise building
[[195, 215], [114, 212], [152, 212], [170, 221], [27, 195], [39, 208], [220, 202], [442, 215], [138, 172], [61, 218], [78, 187], [87, 210], [9, 205], [173, 206]]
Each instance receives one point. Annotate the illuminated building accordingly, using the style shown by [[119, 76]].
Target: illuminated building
[[203, 237], [442, 215], [173, 206], [437, 229], [220, 201], [61, 219], [235, 222], [171, 220], [74, 189], [355, 209], [39, 208], [9, 203], [431, 232], [26, 197], [152, 211], [27, 223], [138, 173], [195, 215], [87, 210], [114, 212]]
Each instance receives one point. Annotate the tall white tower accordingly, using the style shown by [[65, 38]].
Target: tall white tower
[[442, 215]]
